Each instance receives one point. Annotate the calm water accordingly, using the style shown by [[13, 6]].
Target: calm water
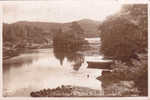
[[44, 68]]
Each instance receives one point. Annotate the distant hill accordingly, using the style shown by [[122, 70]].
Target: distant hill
[[89, 26], [23, 33]]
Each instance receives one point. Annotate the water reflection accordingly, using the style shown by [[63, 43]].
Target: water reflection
[[38, 70], [71, 55], [19, 62]]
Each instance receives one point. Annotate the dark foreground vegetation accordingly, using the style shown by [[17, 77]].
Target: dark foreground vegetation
[[121, 88], [67, 91], [125, 39]]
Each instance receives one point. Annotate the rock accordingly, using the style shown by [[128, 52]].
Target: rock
[[66, 91]]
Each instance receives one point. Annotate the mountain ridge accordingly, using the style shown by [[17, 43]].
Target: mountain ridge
[[89, 26]]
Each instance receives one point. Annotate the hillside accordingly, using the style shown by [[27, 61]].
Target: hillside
[[25, 32], [90, 27]]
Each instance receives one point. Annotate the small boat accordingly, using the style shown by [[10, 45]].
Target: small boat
[[99, 63]]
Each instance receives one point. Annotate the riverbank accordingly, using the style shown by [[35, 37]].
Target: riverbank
[[119, 89], [122, 80], [67, 91], [11, 51], [136, 73]]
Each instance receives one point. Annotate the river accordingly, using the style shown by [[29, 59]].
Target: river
[[37, 69]]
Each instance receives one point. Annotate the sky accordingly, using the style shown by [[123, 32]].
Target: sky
[[58, 11]]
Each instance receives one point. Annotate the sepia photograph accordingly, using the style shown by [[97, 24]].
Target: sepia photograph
[[74, 49]]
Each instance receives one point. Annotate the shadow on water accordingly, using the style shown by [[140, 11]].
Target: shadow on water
[[17, 62], [70, 54]]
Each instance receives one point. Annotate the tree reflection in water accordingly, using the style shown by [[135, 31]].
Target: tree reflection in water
[[71, 55]]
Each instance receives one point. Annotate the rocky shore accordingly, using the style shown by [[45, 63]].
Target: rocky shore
[[118, 89], [67, 91]]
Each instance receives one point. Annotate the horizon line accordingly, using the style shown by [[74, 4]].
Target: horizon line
[[52, 21]]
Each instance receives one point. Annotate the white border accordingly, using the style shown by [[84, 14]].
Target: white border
[[148, 50], [72, 98], [1, 78]]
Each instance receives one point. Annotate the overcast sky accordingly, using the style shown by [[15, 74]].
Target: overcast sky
[[58, 11]]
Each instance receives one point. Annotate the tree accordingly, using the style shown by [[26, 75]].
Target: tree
[[77, 28], [66, 44], [138, 14], [122, 36], [125, 37]]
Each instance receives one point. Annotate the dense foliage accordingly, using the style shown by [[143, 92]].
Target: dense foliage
[[125, 33], [21, 35], [137, 72], [66, 44], [125, 39], [71, 40]]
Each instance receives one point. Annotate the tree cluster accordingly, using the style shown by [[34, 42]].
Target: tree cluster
[[21, 35], [125, 33]]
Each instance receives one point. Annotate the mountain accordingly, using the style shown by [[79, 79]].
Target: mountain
[[40, 34], [89, 26]]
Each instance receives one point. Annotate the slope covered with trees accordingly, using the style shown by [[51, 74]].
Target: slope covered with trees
[[26, 34]]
